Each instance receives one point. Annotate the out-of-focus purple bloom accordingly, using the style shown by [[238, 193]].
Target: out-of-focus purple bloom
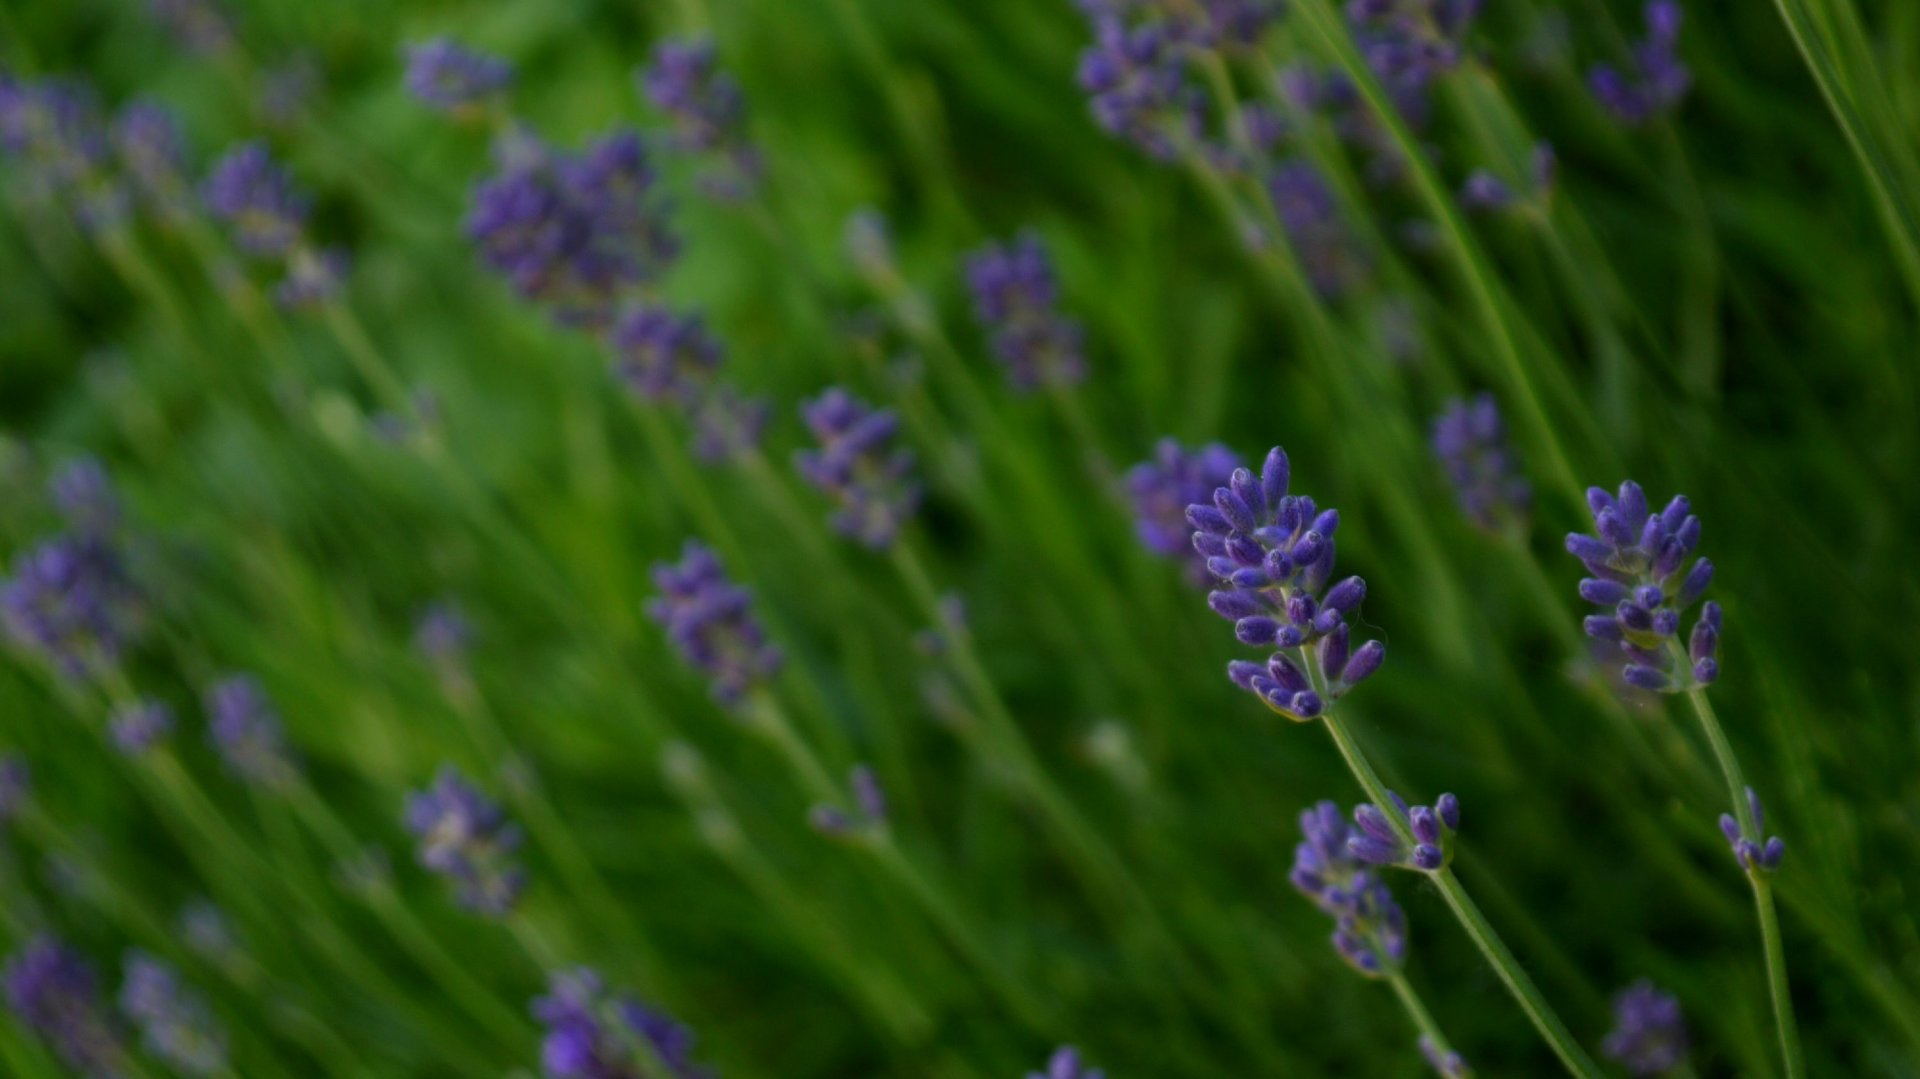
[[1409, 44], [1471, 443], [54, 130], [729, 425], [1376, 841], [467, 838], [573, 232], [1543, 168], [1655, 81], [249, 191], [1307, 211], [175, 1023], [859, 467], [1065, 1063], [1754, 855], [710, 622], [1014, 296], [1272, 554], [243, 726], [1370, 930], [1195, 24], [153, 154], [85, 496], [1485, 191], [53, 992], [1638, 559], [869, 800], [72, 602], [1649, 1035], [1136, 79], [442, 634], [1445, 1062], [16, 785], [314, 279], [663, 356], [453, 78], [1162, 487], [205, 929], [591, 1033], [140, 725], [705, 111], [198, 25], [286, 89]]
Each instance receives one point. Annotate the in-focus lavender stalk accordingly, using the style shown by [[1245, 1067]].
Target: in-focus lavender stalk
[[710, 622], [1162, 487], [1471, 442], [1640, 575], [54, 993], [175, 1023], [870, 808], [1065, 1063], [593, 1033], [1649, 1035], [1655, 81], [871, 481], [453, 78], [244, 729], [466, 837], [1370, 930], [1755, 854], [705, 112], [1015, 295]]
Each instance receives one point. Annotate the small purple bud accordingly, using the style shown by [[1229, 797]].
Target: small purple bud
[[829, 820], [1248, 490], [1308, 549], [1602, 627], [1335, 648], [1428, 857], [1288, 674], [1730, 828], [1366, 660], [1371, 820], [1706, 671], [1696, 583], [1242, 672], [1648, 596], [1601, 592], [1306, 704], [1426, 826], [1251, 577], [1614, 530], [1208, 519], [1233, 606], [1273, 476], [1599, 500], [1648, 678], [1775, 850], [1301, 609], [1748, 853], [1759, 813], [1675, 513], [1346, 595], [1448, 807], [1634, 617], [1666, 621], [1243, 549], [1257, 631], [1234, 509], [1632, 506], [867, 792], [1278, 565], [1587, 549], [1373, 851], [1688, 534], [1703, 642], [1327, 523]]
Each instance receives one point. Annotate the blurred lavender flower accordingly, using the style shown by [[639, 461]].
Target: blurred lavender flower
[[1136, 80], [1307, 211], [710, 622], [314, 279], [705, 111], [1445, 1062], [662, 356], [255, 197], [140, 725], [1370, 930], [1471, 442], [870, 803], [1649, 1035], [288, 88], [147, 139], [572, 232], [54, 130], [85, 496], [72, 602], [442, 635], [198, 25], [591, 1033], [1065, 1063], [16, 785], [1272, 552], [729, 425], [1656, 80], [858, 467], [243, 726], [1409, 44], [53, 992], [453, 78], [467, 838], [1638, 561], [1754, 855], [1162, 487], [175, 1024], [206, 931], [1376, 841], [1486, 192], [1014, 296]]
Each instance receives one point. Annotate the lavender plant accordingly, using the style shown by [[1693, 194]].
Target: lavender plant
[[465, 837]]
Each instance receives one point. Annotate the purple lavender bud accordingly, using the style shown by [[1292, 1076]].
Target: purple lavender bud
[[593, 1033], [1470, 441], [139, 726], [1753, 855], [872, 484], [244, 728], [1448, 806], [1015, 295], [1427, 857], [867, 793], [1065, 1063], [1770, 856], [1666, 622], [467, 838], [1759, 812], [1258, 630], [1649, 1036], [1162, 488], [1648, 678], [1243, 672], [53, 992], [1232, 606], [830, 821], [709, 620], [1602, 628], [1366, 660], [453, 78], [175, 1024], [1635, 559], [1335, 652], [1445, 1062], [255, 197], [1602, 592], [1136, 82], [1587, 548], [1730, 828], [1695, 586], [1425, 824]]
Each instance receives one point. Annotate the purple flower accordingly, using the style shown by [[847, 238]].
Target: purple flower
[[1377, 841], [1065, 1063], [314, 279], [175, 1023], [663, 356], [72, 602], [1655, 81], [54, 130], [1014, 295], [1272, 554], [1445, 1062], [1305, 205], [1755, 856], [243, 726], [140, 725], [451, 77], [705, 111], [1471, 442], [1162, 488], [1485, 191], [1649, 1035], [1409, 44], [870, 480], [53, 992], [592, 1033], [1136, 80], [1370, 930], [729, 425], [710, 622], [869, 800], [466, 837], [442, 634], [256, 198], [16, 785], [147, 139], [198, 25], [85, 496], [1642, 581]]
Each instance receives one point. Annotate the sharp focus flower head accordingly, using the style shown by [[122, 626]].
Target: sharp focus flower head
[[858, 466], [1162, 487], [1014, 297], [1643, 582], [1471, 442], [1065, 1063], [1649, 1035], [1377, 840], [54, 993], [1370, 930], [467, 838], [175, 1023], [244, 728], [591, 1034], [710, 622], [1756, 856], [451, 77]]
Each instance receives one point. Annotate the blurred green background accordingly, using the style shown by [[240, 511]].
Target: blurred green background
[[1715, 304]]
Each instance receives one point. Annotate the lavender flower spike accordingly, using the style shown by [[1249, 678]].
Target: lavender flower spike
[[1162, 487], [465, 837], [1272, 553], [175, 1023], [1657, 79], [1014, 296], [1136, 81], [453, 78], [1370, 930], [1065, 1063], [664, 356], [710, 622], [858, 466], [1641, 579], [243, 726], [592, 1033], [1471, 443], [706, 112], [1377, 842], [256, 198], [72, 602], [1649, 1035], [140, 725], [53, 992], [1754, 855]]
